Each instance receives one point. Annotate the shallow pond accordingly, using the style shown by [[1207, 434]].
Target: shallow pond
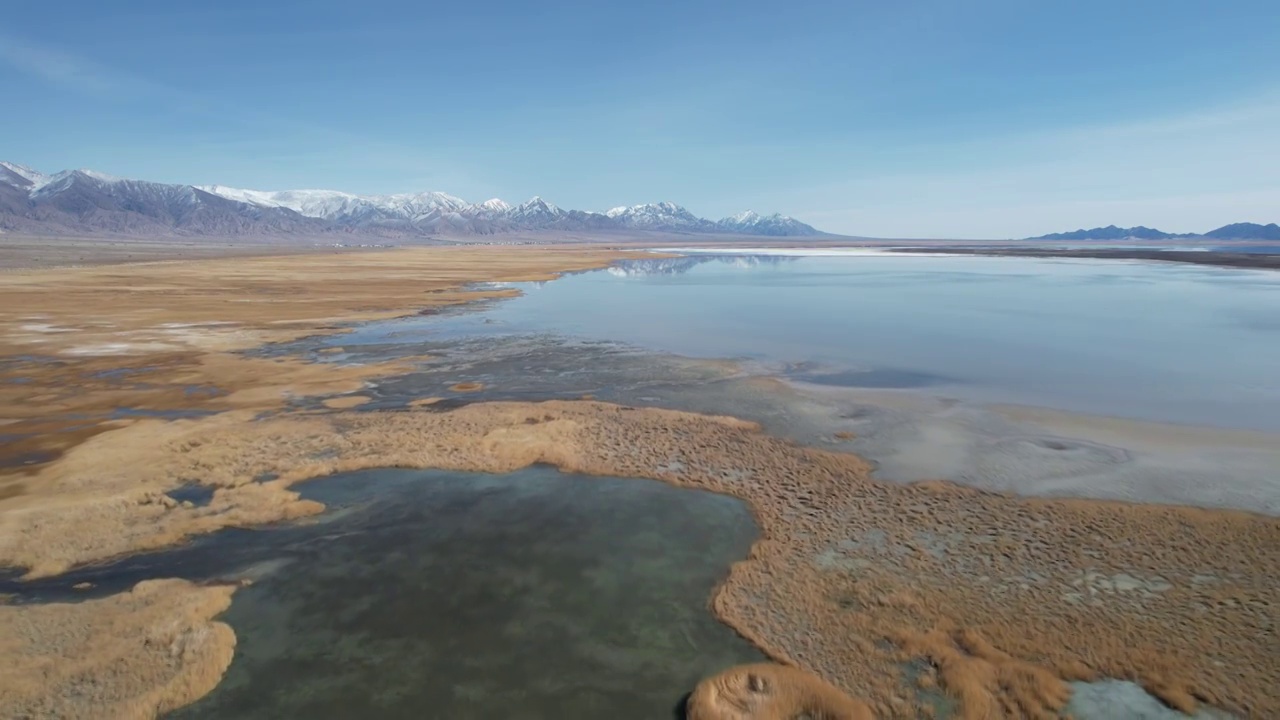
[[534, 594]]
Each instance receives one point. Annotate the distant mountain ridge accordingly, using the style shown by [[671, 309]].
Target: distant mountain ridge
[[87, 202], [1246, 231], [1234, 231]]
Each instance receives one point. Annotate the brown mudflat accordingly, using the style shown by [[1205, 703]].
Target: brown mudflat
[[1005, 598]]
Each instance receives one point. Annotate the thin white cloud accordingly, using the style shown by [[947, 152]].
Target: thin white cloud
[[64, 69], [99, 81]]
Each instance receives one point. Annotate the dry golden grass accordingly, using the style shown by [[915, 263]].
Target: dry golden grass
[[76, 344], [345, 402], [130, 656], [240, 302]]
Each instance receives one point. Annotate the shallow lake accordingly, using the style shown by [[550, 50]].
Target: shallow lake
[[533, 594], [461, 595], [1156, 341]]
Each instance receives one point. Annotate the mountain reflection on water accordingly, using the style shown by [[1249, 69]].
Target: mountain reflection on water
[[681, 265]]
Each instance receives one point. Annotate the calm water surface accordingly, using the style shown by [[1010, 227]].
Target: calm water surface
[[1168, 342], [425, 594], [534, 594]]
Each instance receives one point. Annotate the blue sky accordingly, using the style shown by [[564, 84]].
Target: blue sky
[[914, 119]]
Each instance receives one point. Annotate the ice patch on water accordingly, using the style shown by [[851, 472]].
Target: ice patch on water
[[1123, 700]]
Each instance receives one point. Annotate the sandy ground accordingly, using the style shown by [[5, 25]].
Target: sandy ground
[[1006, 599]]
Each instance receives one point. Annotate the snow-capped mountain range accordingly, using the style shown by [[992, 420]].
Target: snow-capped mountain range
[[88, 202]]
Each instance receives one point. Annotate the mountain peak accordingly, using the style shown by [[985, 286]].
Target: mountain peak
[[750, 222], [537, 203], [94, 174], [23, 176], [535, 212], [659, 216], [425, 195]]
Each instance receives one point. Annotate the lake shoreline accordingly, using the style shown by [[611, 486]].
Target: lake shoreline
[[1106, 338], [1215, 258]]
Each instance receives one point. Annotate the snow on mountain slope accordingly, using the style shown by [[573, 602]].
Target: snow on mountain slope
[[346, 207], [419, 205], [252, 197], [534, 209], [775, 225], [492, 206], [84, 200], [663, 215], [68, 179], [34, 178], [747, 217]]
